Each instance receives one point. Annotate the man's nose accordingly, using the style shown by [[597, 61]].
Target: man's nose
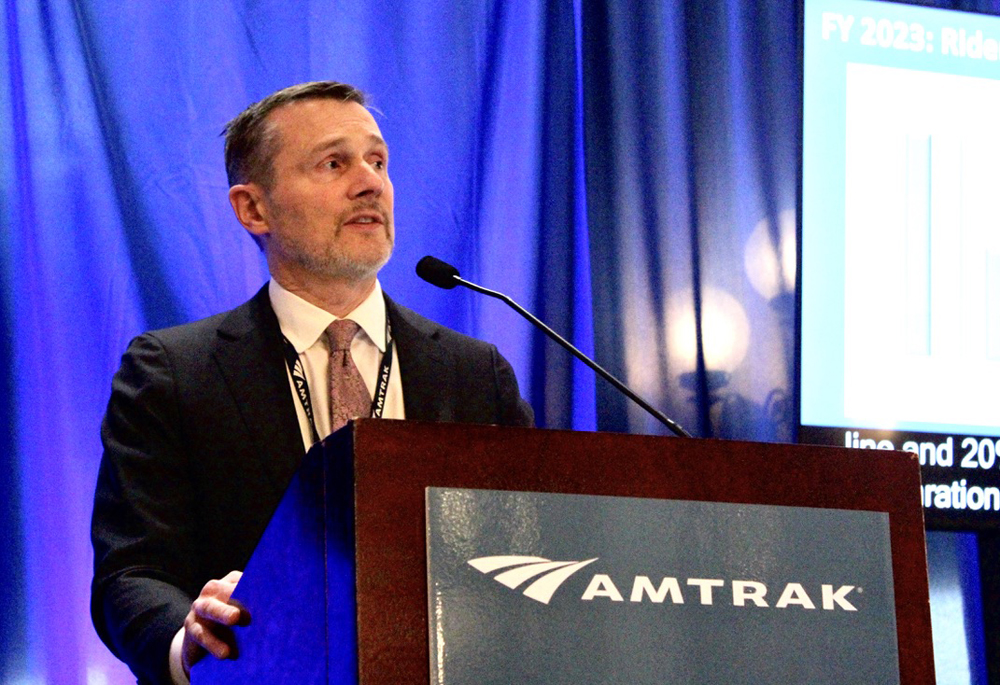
[[368, 181]]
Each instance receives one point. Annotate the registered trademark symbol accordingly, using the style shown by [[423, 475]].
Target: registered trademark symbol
[[860, 590]]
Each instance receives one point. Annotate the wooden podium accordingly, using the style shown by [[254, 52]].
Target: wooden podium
[[339, 599]]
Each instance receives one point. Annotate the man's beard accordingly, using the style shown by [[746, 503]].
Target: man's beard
[[331, 260]]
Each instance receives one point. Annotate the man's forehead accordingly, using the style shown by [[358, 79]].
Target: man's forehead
[[335, 141], [324, 120]]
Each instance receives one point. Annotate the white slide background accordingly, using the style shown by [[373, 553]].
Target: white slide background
[[922, 252]]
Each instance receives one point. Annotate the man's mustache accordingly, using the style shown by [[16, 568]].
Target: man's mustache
[[375, 207]]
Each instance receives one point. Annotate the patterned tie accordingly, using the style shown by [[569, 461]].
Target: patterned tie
[[349, 398]]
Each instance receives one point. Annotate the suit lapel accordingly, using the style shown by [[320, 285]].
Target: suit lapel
[[250, 358], [425, 367], [249, 355]]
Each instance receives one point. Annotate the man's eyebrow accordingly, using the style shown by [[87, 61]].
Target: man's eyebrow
[[373, 139]]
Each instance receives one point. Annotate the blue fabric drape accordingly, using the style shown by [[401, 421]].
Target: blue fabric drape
[[692, 125], [626, 169]]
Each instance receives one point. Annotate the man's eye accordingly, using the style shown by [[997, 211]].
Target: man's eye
[[332, 164], [379, 164]]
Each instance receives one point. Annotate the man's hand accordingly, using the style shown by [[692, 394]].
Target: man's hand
[[208, 624]]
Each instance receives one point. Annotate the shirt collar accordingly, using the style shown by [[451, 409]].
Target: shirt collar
[[303, 322]]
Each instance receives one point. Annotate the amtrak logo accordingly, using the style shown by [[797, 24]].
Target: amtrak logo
[[524, 568], [549, 575]]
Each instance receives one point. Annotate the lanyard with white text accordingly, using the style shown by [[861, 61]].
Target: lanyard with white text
[[302, 385]]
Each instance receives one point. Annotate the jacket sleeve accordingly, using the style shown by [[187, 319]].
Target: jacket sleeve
[[513, 410], [142, 528]]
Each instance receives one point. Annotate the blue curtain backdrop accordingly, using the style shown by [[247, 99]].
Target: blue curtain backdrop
[[625, 169]]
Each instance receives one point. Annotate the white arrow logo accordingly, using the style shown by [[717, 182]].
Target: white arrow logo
[[553, 573]]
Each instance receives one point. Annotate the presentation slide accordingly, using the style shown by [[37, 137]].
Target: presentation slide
[[900, 335]]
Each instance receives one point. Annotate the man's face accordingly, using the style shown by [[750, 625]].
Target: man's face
[[329, 205]]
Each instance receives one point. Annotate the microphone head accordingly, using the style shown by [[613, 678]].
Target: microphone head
[[436, 272]]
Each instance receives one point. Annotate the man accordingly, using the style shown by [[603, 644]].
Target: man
[[204, 428]]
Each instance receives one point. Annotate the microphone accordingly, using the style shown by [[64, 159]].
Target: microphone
[[438, 273], [444, 275]]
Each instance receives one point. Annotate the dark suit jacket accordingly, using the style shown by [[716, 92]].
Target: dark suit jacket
[[200, 441]]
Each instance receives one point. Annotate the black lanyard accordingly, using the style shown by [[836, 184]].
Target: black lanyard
[[302, 385]]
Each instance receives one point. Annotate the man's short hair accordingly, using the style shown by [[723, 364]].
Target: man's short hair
[[251, 142]]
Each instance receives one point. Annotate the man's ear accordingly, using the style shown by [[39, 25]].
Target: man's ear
[[250, 208]]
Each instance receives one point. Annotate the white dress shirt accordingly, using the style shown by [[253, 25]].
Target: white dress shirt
[[303, 325]]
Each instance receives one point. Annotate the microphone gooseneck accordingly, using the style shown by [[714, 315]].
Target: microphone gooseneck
[[444, 275]]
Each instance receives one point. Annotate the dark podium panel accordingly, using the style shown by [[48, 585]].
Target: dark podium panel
[[310, 627]]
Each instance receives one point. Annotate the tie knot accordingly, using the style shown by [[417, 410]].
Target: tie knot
[[340, 333]]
